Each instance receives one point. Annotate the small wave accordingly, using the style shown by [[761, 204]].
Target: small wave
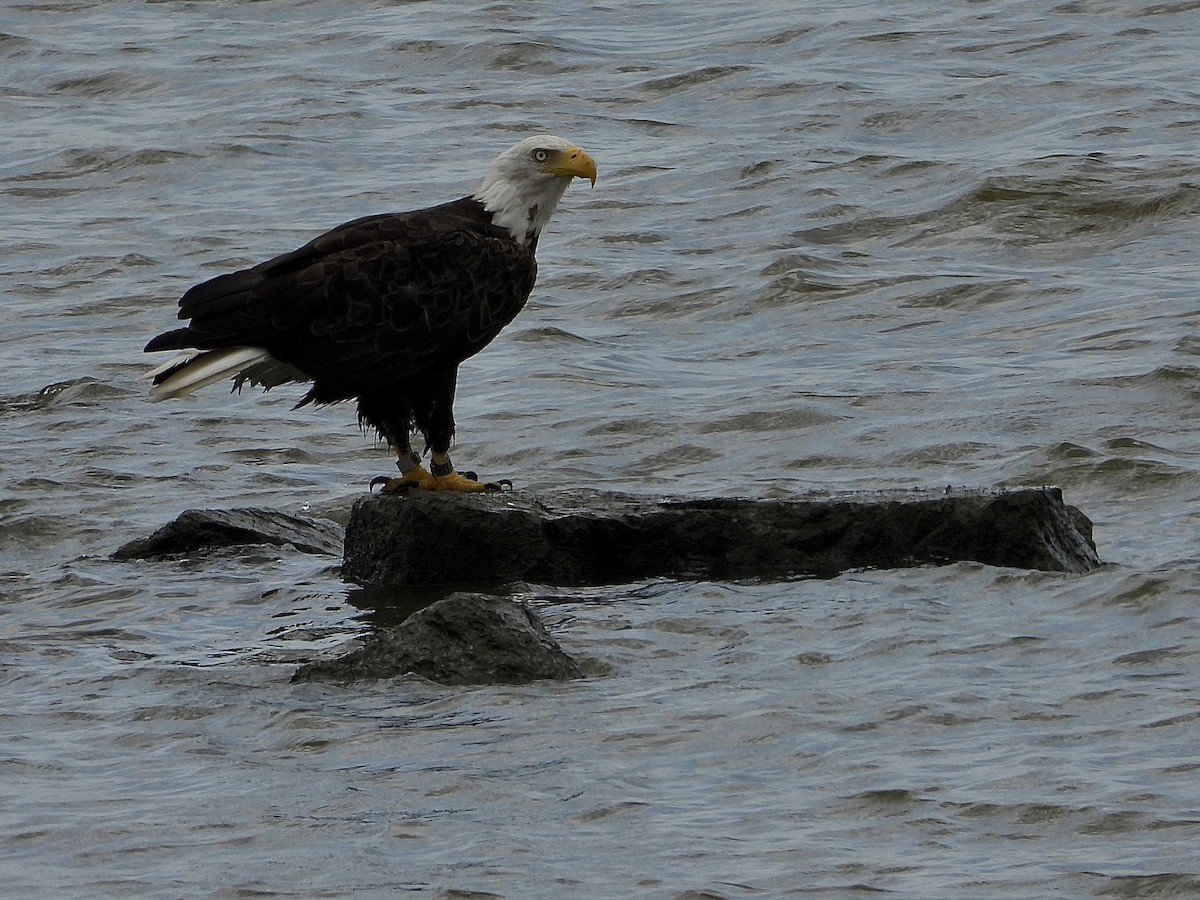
[[79, 162], [767, 420], [682, 81], [1031, 208], [86, 391], [1185, 378], [549, 335], [111, 84], [1087, 200], [535, 58]]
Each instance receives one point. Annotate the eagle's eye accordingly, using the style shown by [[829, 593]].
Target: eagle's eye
[[540, 155]]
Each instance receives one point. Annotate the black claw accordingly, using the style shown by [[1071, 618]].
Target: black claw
[[472, 475], [396, 485], [502, 485]]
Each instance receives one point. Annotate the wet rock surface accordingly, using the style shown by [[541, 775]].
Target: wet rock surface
[[462, 639], [595, 537], [198, 530]]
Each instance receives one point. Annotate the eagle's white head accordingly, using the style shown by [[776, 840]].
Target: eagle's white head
[[525, 182]]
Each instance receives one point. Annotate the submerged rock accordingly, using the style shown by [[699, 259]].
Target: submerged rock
[[462, 639], [595, 537], [197, 530]]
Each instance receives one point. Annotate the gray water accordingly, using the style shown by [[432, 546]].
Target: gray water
[[833, 246]]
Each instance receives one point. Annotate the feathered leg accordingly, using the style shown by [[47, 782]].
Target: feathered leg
[[432, 413], [413, 475]]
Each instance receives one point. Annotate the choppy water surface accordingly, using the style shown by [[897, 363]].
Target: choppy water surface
[[832, 246]]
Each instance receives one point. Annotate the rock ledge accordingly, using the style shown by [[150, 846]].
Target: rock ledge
[[596, 537], [196, 531]]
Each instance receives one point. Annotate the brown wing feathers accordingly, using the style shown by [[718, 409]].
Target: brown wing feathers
[[374, 301]]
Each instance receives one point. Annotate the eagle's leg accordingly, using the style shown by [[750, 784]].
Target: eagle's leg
[[434, 416], [413, 475], [441, 475], [436, 422]]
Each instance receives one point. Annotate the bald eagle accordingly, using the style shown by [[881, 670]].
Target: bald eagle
[[383, 309]]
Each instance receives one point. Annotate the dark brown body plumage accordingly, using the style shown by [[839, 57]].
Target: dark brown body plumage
[[382, 309]]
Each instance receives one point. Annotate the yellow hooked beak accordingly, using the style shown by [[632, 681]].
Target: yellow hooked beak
[[574, 162]]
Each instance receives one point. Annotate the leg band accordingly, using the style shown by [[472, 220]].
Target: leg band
[[440, 469], [404, 463]]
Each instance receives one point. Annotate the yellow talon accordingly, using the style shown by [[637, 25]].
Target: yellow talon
[[418, 478], [456, 482]]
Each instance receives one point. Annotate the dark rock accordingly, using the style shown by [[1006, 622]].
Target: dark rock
[[593, 537], [462, 639], [203, 529]]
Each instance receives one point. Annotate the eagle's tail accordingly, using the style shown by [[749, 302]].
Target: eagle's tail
[[193, 369]]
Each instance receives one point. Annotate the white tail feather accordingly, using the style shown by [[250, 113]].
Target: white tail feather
[[197, 368]]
